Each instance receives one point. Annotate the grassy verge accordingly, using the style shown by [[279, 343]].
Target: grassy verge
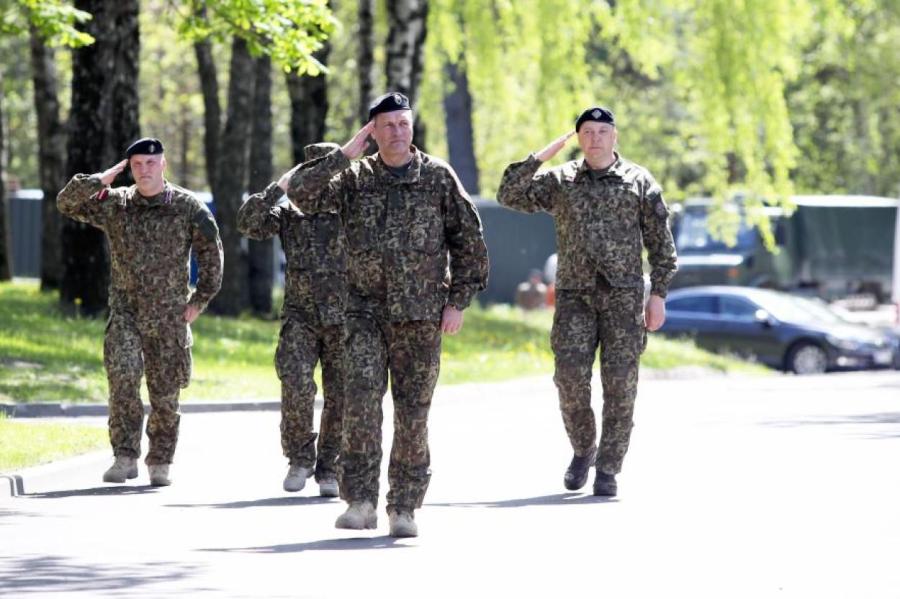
[[45, 356], [29, 443]]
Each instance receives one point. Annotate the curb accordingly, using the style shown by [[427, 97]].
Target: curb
[[13, 484], [62, 410]]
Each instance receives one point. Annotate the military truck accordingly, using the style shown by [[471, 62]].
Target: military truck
[[832, 246]]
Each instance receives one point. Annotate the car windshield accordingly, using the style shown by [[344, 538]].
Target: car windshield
[[798, 309], [694, 236]]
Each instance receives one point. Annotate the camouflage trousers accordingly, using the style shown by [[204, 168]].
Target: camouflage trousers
[[300, 346], [611, 318], [162, 351], [411, 352]]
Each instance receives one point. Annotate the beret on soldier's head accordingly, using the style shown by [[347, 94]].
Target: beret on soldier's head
[[313, 151], [146, 145], [389, 102], [598, 114]]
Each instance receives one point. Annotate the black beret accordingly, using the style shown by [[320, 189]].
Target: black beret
[[313, 151], [389, 102], [146, 145], [597, 113]]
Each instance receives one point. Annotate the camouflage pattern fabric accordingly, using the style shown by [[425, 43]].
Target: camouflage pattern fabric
[[415, 245], [411, 352], [415, 242], [313, 323], [611, 318], [315, 286], [149, 242], [603, 221], [300, 346]]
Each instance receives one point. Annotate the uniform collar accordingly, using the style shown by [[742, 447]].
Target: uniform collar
[[163, 197], [383, 172], [615, 170]]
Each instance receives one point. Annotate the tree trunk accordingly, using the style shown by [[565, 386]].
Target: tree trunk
[[405, 53], [230, 180], [5, 246], [51, 137], [366, 57], [103, 121], [261, 253], [460, 137], [212, 112], [309, 107]]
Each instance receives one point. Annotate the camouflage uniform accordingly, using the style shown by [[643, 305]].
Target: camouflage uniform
[[150, 240], [400, 230], [312, 324], [603, 221]]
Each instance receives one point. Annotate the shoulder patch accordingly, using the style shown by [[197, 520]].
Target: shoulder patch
[[206, 224]]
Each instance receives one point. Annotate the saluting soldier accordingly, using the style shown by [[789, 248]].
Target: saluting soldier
[[607, 210], [416, 259], [315, 293], [151, 227]]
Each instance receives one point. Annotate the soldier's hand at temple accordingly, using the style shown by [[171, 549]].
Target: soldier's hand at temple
[[358, 144], [191, 313], [451, 320], [109, 175], [554, 147], [655, 313]]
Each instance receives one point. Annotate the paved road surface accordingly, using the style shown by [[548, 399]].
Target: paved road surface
[[774, 487]]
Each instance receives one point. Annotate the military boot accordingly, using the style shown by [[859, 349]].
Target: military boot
[[159, 475], [577, 472], [605, 484], [360, 515], [123, 468], [328, 486], [296, 478], [403, 524]]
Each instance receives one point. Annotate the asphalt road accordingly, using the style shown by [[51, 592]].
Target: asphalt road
[[774, 487]]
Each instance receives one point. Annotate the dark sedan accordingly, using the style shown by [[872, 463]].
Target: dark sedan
[[787, 332]]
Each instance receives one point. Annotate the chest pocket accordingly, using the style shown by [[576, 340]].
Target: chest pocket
[[327, 246], [621, 207], [296, 243], [365, 221], [425, 227], [162, 230]]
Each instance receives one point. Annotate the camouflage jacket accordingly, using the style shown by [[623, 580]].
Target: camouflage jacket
[[315, 285], [150, 240], [414, 241], [603, 221]]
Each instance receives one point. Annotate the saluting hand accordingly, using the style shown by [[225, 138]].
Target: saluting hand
[[554, 147], [359, 142], [109, 175]]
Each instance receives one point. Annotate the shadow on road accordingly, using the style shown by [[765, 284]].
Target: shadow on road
[[323, 545], [49, 574], [558, 499], [95, 492], [268, 502], [882, 418]]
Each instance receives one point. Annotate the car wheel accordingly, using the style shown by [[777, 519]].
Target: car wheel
[[807, 358]]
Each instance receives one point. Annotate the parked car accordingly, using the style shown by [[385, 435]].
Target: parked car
[[787, 332]]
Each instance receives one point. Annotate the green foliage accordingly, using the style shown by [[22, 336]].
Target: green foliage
[[27, 443], [55, 20], [287, 30]]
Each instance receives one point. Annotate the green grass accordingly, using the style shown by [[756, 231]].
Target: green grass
[[45, 356], [29, 443]]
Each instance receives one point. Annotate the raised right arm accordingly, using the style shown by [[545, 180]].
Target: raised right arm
[[524, 190], [317, 185], [259, 218], [85, 198]]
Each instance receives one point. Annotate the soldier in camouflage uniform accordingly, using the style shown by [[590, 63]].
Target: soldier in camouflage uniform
[[312, 328], [404, 213], [606, 209], [151, 227]]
